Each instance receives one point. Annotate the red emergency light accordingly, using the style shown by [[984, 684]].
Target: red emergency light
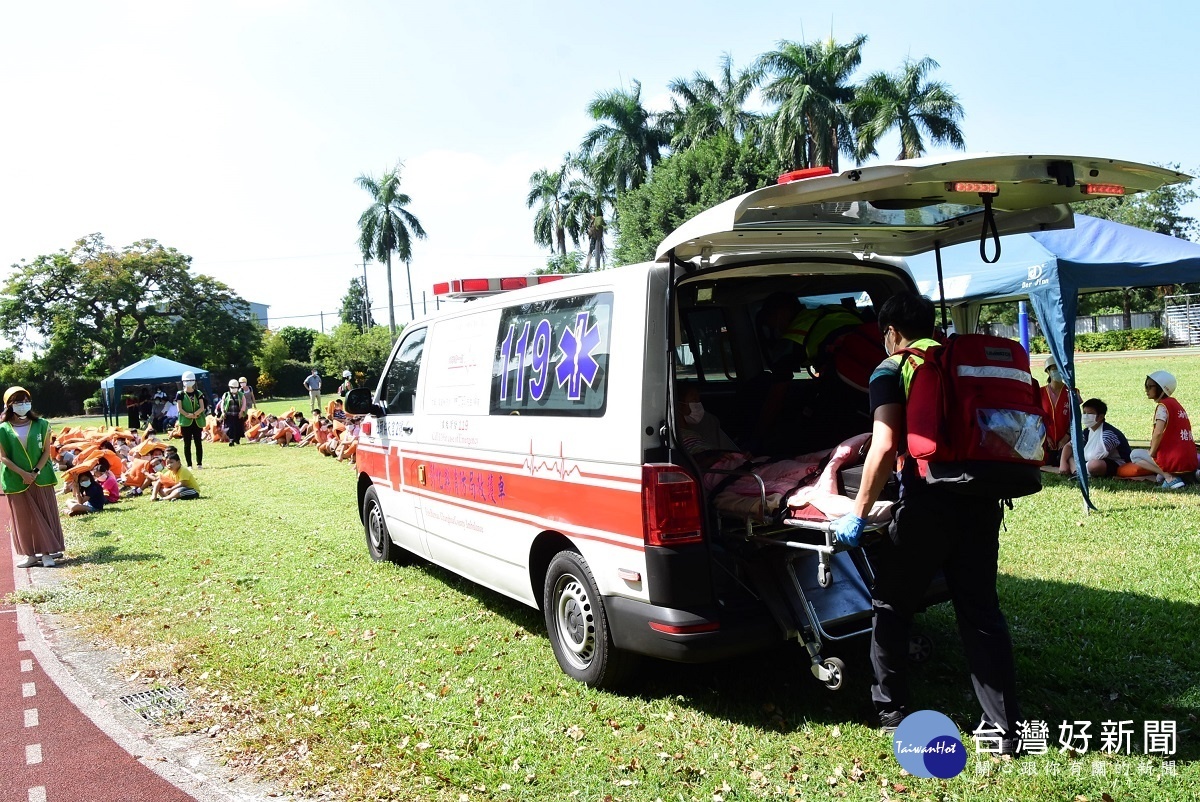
[[465, 288], [978, 187], [1111, 190], [807, 172]]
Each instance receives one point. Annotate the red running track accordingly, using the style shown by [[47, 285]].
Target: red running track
[[49, 750]]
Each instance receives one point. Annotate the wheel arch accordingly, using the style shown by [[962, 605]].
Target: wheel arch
[[547, 544], [364, 484]]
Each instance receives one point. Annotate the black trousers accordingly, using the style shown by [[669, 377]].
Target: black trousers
[[934, 530], [191, 434]]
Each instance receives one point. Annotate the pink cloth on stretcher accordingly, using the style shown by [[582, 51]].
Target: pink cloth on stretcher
[[779, 477], [822, 501]]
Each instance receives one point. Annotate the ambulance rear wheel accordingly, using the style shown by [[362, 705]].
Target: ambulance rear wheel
[[578, 625], [379, 542]]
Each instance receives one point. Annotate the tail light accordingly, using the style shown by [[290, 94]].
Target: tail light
[[670, 506]]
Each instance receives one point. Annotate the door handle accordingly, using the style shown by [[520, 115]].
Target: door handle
[[406, 429]]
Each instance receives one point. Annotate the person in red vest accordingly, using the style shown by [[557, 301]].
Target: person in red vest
[[1056, 403], [1172, 453]]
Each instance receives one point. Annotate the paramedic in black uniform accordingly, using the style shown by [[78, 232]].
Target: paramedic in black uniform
[[933, 529]]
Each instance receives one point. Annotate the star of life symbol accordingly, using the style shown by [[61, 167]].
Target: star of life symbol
[[577, 366]]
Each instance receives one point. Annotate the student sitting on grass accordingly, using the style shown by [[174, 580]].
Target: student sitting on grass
[[175, 482], [107, 481], [1104, 446], [89, 496]]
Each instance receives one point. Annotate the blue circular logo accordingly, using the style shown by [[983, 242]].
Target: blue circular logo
[[927, 744]]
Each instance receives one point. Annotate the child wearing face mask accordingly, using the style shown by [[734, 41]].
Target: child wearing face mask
[[89, 496], [1105, 447]]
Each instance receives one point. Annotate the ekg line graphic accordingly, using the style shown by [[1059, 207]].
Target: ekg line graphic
[[558, 466]]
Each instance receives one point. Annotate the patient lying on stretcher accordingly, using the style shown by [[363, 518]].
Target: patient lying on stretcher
[[807, 483]]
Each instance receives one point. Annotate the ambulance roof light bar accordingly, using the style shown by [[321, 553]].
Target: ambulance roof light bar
[[465, 289]]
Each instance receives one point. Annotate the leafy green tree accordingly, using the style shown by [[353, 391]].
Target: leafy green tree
[[810, 82], [549, 191], [387, 227], [299, 342], [684, 184], [271, 357], [710, 107], [909, 102], [95, 309], [347, 348], [627, 142], [570, 262], [356, 306]]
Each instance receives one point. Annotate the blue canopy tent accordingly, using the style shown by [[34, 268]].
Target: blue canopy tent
[[1051, 268], [151, 371]]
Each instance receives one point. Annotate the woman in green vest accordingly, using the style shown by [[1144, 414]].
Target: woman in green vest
[[28, 480], [191, 418]]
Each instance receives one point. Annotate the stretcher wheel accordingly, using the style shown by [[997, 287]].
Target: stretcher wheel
[[837, 671], [920, 648], [824, 575]]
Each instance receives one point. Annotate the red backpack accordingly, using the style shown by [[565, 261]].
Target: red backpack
[[974, 417]]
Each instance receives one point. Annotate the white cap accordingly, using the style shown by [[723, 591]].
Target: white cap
[[345, 374], [1164, 380], [188, 376], [1050, 363], [233, 384]]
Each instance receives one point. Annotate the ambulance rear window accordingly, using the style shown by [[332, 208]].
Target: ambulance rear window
[[552, 357]]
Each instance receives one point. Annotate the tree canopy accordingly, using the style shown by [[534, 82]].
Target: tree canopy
[[356, 306], [387, 227], [94, 309]]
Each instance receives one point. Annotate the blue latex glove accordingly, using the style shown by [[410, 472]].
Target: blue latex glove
[[848, 529]]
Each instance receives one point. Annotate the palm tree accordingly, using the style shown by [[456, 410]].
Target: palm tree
[[627, 143], [387, 226], [710, 107], [810, 82], [590, 208], [549, 189], [909, 102]]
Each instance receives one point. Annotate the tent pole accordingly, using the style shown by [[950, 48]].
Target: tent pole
[[937, 255]]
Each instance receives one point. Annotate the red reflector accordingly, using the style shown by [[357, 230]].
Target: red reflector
[[670, 506], [513, 283], [441, 288], [474, 285], [972, 186], [670, 629], [807, 172], [1103, 189], [366, 427], [549, 278]]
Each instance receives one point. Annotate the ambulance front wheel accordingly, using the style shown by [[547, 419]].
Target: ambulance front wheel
[[379, 542], [578, 625]]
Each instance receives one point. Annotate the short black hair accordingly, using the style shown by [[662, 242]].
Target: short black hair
[[1096, 404], [908, 313]]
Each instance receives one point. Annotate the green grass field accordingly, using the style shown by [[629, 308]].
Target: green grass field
[[331, 674]]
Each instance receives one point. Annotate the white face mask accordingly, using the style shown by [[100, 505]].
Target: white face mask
[[188, 385], [888, 348], [1054, 376], [85, 483], [1089, 420], [695, 412], [22, 408]]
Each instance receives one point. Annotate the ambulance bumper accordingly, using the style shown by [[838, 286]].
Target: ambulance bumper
[[686, 636]]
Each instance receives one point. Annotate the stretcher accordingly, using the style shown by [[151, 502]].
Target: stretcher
[[818, 590]]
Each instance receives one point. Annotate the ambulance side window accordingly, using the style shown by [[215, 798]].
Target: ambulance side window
[[400, 391]]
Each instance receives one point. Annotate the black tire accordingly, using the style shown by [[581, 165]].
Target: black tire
[[920, 648], [379, 542], [578, 625], [838, 669]]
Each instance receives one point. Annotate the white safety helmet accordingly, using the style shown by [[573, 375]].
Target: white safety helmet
[[188, 376], [1164, 380], [345, 374], [233, 384]]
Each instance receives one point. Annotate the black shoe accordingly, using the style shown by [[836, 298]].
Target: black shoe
[[889, 720], [1011, 747]]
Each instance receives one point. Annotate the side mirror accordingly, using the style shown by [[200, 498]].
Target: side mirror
[[359, 402]]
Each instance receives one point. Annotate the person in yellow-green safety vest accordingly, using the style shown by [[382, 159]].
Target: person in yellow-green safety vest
[[28, 480]]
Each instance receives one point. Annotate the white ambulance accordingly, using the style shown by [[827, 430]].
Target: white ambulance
[[529, 440]]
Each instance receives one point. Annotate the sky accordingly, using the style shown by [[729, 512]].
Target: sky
[[234, 131]]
